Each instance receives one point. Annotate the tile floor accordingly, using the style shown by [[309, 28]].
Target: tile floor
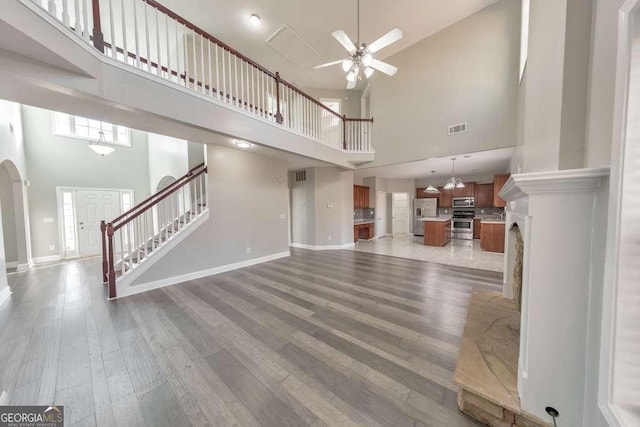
[[462, 253]]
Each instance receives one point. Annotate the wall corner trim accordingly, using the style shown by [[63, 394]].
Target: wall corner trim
[[136, 289]]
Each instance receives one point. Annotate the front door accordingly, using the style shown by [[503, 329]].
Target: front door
[[93, 206]]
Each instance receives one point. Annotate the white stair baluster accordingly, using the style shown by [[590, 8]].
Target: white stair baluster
[[112, 30], [146, 34]]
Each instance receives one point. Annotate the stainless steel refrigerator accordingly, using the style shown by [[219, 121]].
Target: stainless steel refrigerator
[[423, 208]]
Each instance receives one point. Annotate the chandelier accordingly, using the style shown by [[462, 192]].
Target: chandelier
[[453, 182]]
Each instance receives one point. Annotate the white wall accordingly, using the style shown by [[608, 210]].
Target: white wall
[[167, 157], [602, 82], [247, 195], [62, 161], [465, 73]]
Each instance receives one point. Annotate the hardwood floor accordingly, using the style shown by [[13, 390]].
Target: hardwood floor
[[321, 338]]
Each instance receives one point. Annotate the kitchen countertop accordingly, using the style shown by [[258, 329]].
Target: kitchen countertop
[[489, 219], [364, 221], [435, 219]]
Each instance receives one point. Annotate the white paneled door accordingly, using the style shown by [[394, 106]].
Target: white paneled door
[[93, 206], [400, 213], [381, 214]]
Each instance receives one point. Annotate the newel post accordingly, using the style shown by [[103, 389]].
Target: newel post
[[344, 131], [112, 269], [105, 265], [279, 118], [98, 37]]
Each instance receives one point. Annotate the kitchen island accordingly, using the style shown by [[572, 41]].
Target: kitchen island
[[437, 230], [492, 235]]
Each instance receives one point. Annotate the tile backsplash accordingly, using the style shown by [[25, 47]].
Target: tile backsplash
[[367, 213]]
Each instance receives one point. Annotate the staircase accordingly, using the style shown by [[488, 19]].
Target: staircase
[[135, 240]]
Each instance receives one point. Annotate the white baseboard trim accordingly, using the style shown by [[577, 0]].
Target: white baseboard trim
[[131, 290], [4, 294], [24, 266], [323, 247], [12, 264], [48, 258]]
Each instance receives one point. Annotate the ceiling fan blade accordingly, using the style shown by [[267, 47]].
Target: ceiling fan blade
[[344, 40], [383, 67], [328, 64], [384, 41], [351, 85]]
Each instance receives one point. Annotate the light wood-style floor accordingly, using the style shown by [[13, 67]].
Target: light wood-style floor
[[321, 338]]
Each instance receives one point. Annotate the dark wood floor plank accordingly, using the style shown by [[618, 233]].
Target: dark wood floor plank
[[262, 403]]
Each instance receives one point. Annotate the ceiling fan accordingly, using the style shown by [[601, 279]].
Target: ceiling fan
[[361, 60]]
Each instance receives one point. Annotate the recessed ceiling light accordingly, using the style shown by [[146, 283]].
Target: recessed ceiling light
[[254, 19], [242, 144]]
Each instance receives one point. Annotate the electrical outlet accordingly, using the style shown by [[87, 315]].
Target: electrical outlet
[[329, 238], [481, 211], [248, 250], [52, 247], [282, 216], [446, 211]]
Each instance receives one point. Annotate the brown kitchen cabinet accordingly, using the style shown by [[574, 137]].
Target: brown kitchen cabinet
[[437, 233], [420, 194], [484, 195], [469, 190], [477, 226], [492, 237], [445, 197], [361, 197], [363, 232], [498, 183]]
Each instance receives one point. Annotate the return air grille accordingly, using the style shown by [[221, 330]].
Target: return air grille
[[456, 129], [301, 176]]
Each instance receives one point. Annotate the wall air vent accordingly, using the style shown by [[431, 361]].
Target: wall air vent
[[301, 176], [456, 129]]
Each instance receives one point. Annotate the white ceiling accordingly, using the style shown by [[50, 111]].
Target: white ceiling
[[314, 21], [491, 161]]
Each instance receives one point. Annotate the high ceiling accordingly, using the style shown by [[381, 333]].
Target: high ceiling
[[314, 21], [483, 162]]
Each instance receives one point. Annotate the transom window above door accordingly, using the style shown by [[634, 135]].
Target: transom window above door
[[89, 129]]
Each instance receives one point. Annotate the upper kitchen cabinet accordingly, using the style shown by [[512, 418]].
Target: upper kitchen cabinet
[[445, 197], [469, 190], [484, 195], [498, 183], [361, 197]]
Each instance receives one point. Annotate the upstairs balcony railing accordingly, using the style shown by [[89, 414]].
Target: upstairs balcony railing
[[148, 36]]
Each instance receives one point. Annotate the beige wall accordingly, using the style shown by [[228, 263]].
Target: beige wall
[[349, 99], [247, 195], [465, 73]]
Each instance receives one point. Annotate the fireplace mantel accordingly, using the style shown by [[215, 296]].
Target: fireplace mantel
[[557, 213]]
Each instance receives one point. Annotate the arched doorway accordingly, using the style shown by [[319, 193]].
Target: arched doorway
[[14, 224]]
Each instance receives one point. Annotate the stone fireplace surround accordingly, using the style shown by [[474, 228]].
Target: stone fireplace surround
[[556, 213]]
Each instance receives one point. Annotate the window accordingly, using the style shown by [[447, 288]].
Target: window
[[524, 37], [82, 127], [68, 215]]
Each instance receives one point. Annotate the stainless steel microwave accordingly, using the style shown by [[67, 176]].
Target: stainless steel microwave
[[463, 202]]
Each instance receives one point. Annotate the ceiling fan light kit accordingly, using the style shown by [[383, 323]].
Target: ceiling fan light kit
[[361, 61]]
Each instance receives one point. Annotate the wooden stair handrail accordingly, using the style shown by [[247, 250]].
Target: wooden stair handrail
[[164, 195], [160, 192]]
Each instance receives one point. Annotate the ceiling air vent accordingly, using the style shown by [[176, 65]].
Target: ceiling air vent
[[456, 129], [301, 176]]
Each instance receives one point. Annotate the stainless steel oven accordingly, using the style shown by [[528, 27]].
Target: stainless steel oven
[[462, 224], [463, 202]]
